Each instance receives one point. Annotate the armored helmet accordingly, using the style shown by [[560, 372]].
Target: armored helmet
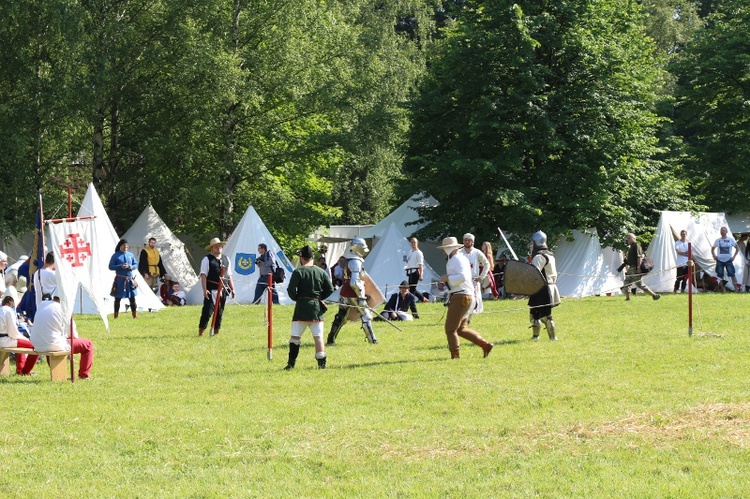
[[539, 239], [359, 246]]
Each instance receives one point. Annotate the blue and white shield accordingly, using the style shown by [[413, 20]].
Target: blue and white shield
[[244, 263]]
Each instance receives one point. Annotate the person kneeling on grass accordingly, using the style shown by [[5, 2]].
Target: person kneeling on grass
[[399, 305], [51, 333], [308, 287]]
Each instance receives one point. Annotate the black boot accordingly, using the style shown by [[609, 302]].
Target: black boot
[[293, 353], [338, 323], [321, 362]]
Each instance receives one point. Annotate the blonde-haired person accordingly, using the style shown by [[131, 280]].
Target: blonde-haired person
[[488, 283]]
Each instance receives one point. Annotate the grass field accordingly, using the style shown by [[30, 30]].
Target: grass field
[[624, 405]]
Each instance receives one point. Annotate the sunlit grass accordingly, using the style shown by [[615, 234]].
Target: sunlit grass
[[625, 404]]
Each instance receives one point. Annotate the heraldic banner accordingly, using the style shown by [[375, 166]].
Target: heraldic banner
[[74, 245]]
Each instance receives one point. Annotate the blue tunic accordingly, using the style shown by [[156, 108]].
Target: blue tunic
[[123, 275]]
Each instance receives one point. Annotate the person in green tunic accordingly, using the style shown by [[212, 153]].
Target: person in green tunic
[[308, 287]]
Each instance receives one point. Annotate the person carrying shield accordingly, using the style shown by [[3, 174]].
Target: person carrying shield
[[352, 295], [541, 303]]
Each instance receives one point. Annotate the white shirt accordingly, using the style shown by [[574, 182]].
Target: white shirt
[[48, 331], [8, 326], [224, 261], [48, 283], [458, 270], [476, 259], [415, 259], [681, 246], [724, 248]]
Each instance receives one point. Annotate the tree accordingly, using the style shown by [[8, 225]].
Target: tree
[[713, 115], [542, 117]]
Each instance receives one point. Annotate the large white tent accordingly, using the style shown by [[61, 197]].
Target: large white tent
[[740, 222], [105, 244], [405, 217], [242, 249], [703, 231], [149, 224], [386, 264], [584, 268], [336, 239]]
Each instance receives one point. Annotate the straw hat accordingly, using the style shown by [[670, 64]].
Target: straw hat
[[450, 243], [214, 242]]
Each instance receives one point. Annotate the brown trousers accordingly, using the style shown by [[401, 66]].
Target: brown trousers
[[457, 320]]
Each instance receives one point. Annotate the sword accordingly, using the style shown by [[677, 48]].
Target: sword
[[507, 244], [368, 308]]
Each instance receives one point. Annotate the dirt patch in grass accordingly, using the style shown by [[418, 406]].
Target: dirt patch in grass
[[727, 422]]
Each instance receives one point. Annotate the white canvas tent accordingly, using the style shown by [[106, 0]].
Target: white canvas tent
[[386, 264], [242, 249], [16, 246], [336, 238], [740, 222], [404, 217], [105, 245], [703, 230], [172, 250], [584, 268]]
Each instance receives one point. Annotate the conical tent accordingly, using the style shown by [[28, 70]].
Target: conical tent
[[584, 268], [242, 250], [702, 231], [105, 245], [405, 217], [149, 224]]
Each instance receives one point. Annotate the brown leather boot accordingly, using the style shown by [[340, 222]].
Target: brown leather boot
[[216, 331], [201, 331], [117, 313], [135, 314], [455, 354]]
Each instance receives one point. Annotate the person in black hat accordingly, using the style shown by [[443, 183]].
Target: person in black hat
[[400, 304]]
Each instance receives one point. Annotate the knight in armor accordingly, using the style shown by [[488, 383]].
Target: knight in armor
[[541, 303], [352, 295]]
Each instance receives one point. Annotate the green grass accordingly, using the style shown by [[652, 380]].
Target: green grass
[[624, 405]]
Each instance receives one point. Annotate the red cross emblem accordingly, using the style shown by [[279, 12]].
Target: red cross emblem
[[75, 250]]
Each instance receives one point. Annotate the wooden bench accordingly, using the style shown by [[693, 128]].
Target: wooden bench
[[57, 364]]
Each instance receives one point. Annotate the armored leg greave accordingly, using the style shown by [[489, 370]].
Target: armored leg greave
[[550, 325]]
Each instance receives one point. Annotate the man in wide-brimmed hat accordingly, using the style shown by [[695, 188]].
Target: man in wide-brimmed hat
[[458, 280], [399, 305], [210, 274]]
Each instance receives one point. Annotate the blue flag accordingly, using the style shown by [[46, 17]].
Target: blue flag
[[35, 261]]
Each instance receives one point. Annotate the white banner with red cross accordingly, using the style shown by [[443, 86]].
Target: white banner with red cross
[[73, 243]]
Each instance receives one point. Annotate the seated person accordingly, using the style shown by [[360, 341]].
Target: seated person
[[11, 338], [399, 304], [52, 332], [175, 297]]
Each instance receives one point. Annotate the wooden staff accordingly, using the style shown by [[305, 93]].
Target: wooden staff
[[270, 315], [219, 290]]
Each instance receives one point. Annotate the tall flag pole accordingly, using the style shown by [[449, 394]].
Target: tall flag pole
[[36, 262], [72, 364]]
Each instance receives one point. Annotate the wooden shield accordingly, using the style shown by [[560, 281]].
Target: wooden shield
[[374, 297], [522, 278]]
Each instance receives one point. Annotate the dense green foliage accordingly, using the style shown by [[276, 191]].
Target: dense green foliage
[[624, 405], [543, 116], [713, 113], [529, 114]]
